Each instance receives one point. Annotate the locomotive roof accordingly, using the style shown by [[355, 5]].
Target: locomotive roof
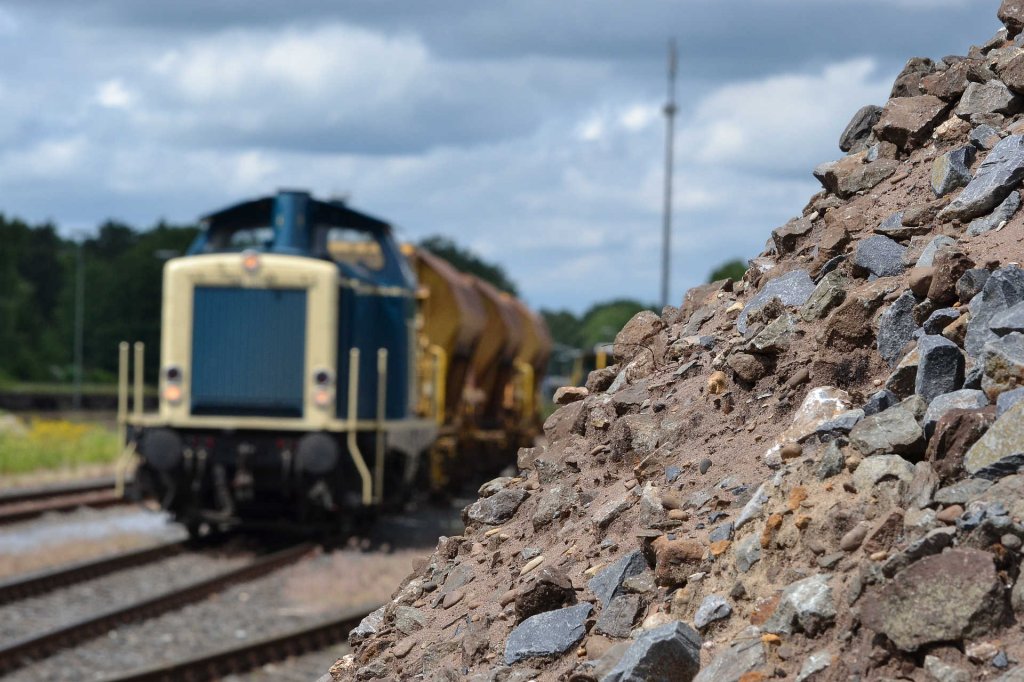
[[257, 212]]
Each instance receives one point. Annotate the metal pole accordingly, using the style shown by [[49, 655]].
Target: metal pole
[[79, 323], [670, 113]]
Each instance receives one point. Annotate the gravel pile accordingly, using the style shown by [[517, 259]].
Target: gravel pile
[[814, 473]]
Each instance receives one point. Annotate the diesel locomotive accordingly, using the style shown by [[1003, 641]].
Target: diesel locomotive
[[313, 370]]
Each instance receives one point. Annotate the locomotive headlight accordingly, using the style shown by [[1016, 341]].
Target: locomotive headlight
[[322, 397], [251, 261], [172, 393]]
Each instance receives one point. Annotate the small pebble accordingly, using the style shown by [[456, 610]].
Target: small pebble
[[950, 514], [854, 537], [1010, 541], [791, 451], [705, 464]]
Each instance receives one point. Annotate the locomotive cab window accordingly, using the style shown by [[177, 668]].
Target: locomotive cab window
[[352, 247], [259, 238]]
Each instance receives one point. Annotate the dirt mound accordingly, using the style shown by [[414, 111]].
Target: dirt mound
[[812, 473]]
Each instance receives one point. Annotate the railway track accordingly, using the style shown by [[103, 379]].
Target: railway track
[[23, 651], [245, 657], [22, 587], [22, 505]]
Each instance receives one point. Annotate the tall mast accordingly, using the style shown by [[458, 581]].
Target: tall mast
[[670, 114]]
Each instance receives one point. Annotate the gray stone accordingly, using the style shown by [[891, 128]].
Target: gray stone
[[667, 652], [1001, 448], [879, 402], [971, 283], [841, 423], [788, 236], [832, 462], [733, 663], [815, 663], [933, 542], [999, 174], [754, 506], [498, 508], [804, 605], [939, 320], [556, 503], [992, 97], [944, 672], [607, 584], [952, 170], [747, 552], [940, 598], [1003, 360], [722, 532], [1009, 320], [940, 368], [547, 634], [409, 620], [997, 218], [616, 619], [893, 431], [367, 627], [974, 376], [880, 256], [927, 257], [713, 608], [1003, 288], [792, 289], [776, 336], [878, 467], [857, 131], [984, 137], [962, 492], [896, 328], [827, 295], [965, 399], [610, 510], [1008, 399], [893, 223]]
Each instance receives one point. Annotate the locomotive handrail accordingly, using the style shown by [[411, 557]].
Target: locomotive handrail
[[382, 388], [140, 356], [440, 372], [353, 445]]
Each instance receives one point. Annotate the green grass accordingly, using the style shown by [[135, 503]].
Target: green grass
[[54, 388], [55, 444]]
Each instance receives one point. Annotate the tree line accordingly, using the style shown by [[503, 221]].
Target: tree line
[[122, 274]]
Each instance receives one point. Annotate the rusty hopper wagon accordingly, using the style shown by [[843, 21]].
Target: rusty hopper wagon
[[313, 371]]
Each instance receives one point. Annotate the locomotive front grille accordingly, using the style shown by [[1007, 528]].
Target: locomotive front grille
[[248, 351]]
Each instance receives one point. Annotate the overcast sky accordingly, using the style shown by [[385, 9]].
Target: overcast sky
[[529, 130]]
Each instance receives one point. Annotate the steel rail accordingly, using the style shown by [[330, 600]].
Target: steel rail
[[40, 582], [23, 651], [30, 509], [250, 655], [17, 495]]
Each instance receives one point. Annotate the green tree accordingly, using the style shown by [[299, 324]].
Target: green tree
[[563, 326], [465, 260], [733, 269], [603, 321]]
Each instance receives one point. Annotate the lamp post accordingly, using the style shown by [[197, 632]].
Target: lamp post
[[79, 320], [666, 221]]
